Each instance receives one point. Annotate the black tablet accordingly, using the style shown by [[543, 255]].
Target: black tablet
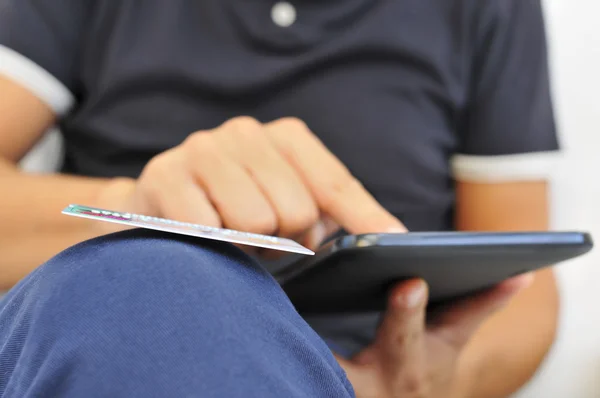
[[354, 273]]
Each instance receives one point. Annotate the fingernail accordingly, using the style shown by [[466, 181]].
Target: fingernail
[[415, 297], [397, 230], [519, 283], [526, 280]]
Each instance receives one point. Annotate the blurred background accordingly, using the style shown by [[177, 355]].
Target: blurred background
[[573, 368]]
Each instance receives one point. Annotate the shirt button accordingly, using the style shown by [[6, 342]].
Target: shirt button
[[283, 14]]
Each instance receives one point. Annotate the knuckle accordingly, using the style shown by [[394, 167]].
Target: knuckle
[[308, 216], [409, 335], [294, 123], [157, 173], [266, 223], [244, 124], [157, 167], [199, 142], [244, 132], [401, 339], [299, 220], [338, 185], [414, 384], [290, 132], [207, 217], [200, 150], [298, 129], [148, 190]]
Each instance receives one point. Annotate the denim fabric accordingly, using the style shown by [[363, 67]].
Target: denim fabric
[[146, 314]]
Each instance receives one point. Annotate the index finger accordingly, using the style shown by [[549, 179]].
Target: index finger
[[336, 191]]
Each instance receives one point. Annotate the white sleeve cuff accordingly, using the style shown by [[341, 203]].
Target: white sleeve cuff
[[532, 166], [37, 80]]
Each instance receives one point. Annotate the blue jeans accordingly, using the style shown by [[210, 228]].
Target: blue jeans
[[146, 314]]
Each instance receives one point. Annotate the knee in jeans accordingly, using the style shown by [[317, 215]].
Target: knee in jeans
[[147, 262]]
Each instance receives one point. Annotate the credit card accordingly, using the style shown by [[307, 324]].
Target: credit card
[[183, 228]]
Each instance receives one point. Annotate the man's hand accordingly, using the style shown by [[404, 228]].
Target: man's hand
[[274, 178], [417, 358]]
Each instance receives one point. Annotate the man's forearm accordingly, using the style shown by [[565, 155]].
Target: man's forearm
[[509, 348], [32, 228]]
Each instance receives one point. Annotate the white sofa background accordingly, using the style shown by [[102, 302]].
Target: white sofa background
[[573, 368]]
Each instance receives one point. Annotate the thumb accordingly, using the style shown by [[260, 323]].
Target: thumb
[[401, 333]]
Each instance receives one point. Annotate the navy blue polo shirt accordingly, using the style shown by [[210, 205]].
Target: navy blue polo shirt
[[399, 90], [409, 94]]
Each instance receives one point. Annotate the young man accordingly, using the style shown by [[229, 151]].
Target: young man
[[434, 115]]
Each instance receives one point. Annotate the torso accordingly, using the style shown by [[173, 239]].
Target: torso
[[382, 82]]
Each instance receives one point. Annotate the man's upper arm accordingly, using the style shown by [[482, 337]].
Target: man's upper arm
[[40, 47], [508, 132]]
